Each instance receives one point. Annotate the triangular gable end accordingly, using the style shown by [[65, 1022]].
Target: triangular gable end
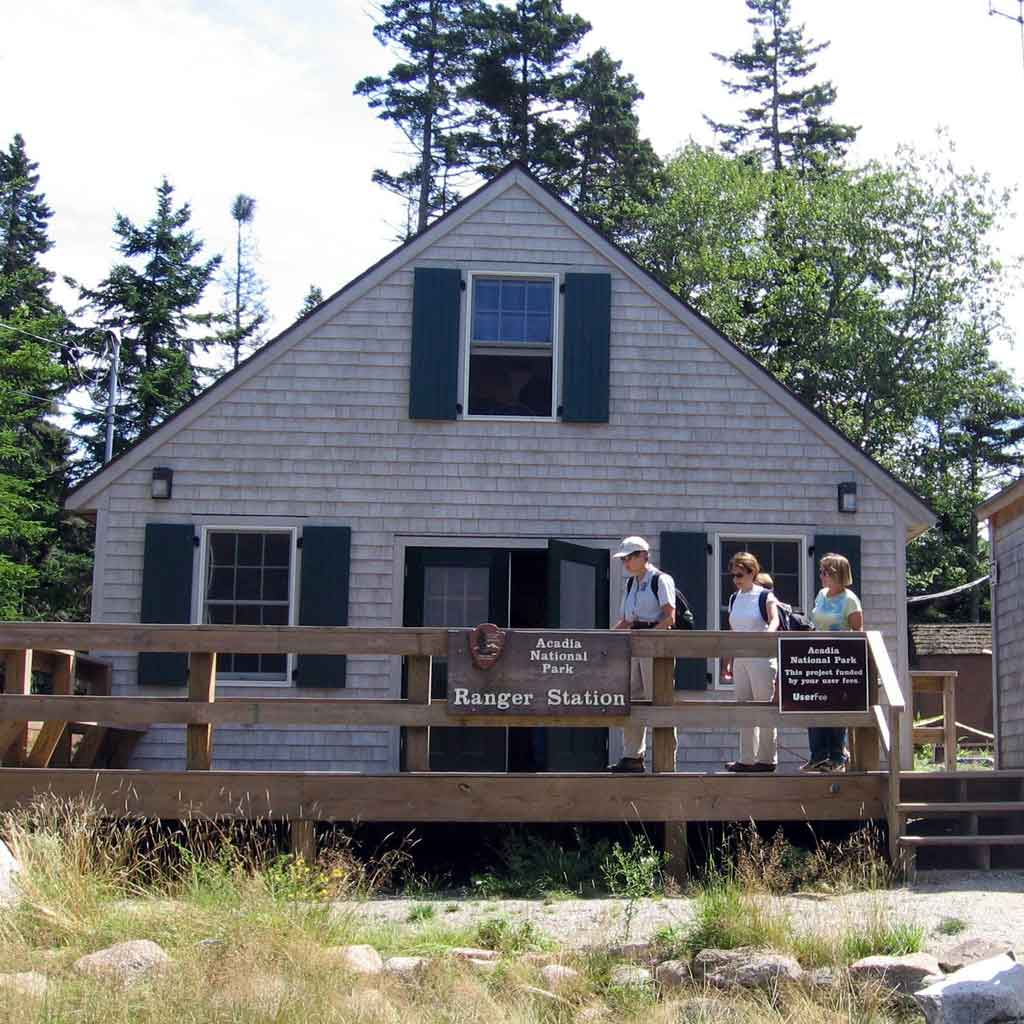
[[920, 517]]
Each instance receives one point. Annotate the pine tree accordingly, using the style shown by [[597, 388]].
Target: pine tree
[[790, 124], [520, 86], [44, 558], [243, 287], [419, 95], [313, 299], [155, 309]]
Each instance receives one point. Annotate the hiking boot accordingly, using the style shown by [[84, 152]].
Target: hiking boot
[[628, 766]]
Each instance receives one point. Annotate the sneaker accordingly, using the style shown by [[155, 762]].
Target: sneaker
[[833, 767], [739, 766], [628, 766], [761, 766], [814, 764]]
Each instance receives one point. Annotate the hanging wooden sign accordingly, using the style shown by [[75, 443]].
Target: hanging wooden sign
[[822, 673], [531, 672]]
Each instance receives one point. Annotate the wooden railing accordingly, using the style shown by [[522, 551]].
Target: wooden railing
[[873, 732]]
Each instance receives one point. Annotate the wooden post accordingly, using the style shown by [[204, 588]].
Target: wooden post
[[17, 679], [865, 749], [664, 756], [417, 739], [54, 736], [949, 719], [302, 839], [902, 858], [677, 853], [202, 684]]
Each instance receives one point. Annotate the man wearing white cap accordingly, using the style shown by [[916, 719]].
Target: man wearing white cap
[[649, 602]]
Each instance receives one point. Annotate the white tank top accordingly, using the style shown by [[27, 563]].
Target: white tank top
[[745, 614]]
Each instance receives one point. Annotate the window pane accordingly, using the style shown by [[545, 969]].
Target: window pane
[[273, 664], [513, 295], [277, 549], [247, 615], [247, 585], [220, 614], [221, 585], [246, 663], [275, 615], [222, 549], [487, 294], [786, 557], [250, 549], [275, 584], [486, 326], [538, 299], [512, 310], [510, 385], [538, 328]]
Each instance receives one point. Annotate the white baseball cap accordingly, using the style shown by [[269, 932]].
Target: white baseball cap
[[630, 546]]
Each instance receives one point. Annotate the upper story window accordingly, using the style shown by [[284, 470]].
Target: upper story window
[[510, 356]]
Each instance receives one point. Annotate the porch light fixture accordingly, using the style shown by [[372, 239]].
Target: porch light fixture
[[160, 485], [848, 496]]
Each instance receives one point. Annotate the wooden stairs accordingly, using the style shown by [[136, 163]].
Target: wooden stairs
[[961, 820]]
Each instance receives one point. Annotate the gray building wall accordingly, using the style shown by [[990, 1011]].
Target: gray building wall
[[321, 434], [1007, 536]]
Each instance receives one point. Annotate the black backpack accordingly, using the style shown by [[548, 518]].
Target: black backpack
[[790, 619], [684, 613]]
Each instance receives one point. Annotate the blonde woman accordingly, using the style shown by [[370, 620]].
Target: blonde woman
[[754, 678], [836, 607]]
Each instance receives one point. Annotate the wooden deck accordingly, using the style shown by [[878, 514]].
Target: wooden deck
[[419, 795]]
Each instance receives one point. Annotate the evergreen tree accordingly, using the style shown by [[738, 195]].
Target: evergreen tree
[[155, 309], [790, 123], [519, 86], [44, 556], [313, 299], [419, 95], [243, 287]]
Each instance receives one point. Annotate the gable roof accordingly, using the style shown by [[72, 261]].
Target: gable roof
[[955, 638], [919, 516], [1007, 496]]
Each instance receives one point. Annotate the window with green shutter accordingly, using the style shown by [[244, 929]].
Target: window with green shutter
[[323, 598], [167, 560], [434, 362]]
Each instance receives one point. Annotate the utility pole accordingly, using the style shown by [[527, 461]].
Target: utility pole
[[114, 341]]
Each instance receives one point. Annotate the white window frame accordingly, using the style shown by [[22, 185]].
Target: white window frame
[[804, 541], [199, 596], [556, 343]]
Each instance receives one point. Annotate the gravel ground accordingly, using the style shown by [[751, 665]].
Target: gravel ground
[[989, 903]]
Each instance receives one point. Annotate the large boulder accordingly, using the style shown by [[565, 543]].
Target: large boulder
[[901, 973], [673, 974], [124, 963], [745, 967], [359, 959], [406, 966], [989, 990], [971, 951], [559, 978], [630, 976]]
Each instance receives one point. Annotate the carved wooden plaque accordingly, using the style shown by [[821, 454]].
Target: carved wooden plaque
[[550, 672]]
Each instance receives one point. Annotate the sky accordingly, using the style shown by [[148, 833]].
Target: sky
[[255, 96]]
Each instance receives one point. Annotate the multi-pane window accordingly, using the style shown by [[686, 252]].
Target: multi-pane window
[[779, 558], [248, 582], [511, 346]]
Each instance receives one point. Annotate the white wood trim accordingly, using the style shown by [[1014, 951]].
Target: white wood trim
[[230, 526]]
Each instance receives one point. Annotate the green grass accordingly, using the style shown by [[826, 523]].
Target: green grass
[[951, 926]]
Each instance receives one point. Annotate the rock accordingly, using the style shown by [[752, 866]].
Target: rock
[[705, 1011], [971, 952], [901, 973], [468, 953], [822, 977], [124, 962], [745, 968], [632, 951], [357, 959], [406, 966], [9, 868], [673, 974], [542, 994], [558, 977], [481, 966], [537, 959], [30, 984], [630, 976], [988, 990]]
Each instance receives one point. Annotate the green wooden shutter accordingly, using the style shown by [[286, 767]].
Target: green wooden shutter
[[847, 545], [323, 598], [684, 556], [166, 596], [434, 368], [586, 348]]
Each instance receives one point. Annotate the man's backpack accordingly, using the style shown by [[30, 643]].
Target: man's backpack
[[684, 613], [790, 619]]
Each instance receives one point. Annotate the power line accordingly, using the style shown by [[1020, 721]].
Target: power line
[[1018, 18], [73, 351], [65, 403]]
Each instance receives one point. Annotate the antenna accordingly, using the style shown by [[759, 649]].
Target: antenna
[[1018, 17]]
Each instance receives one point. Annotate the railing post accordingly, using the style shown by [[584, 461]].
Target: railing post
[[902, 858], [949, 719], [202, 683], [417, 738], [54, 739], [17, 679], [865, 750], [664, 756]]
